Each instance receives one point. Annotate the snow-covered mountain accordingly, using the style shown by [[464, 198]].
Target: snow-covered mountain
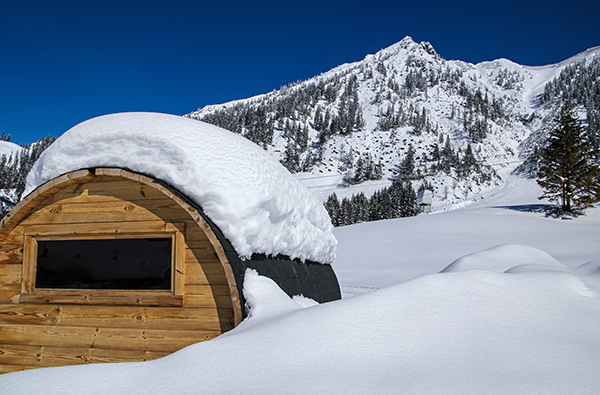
[[404, 95]]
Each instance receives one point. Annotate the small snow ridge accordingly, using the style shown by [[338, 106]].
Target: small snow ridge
[[502, 258], [520, 259], [349, 291], [304, 302]]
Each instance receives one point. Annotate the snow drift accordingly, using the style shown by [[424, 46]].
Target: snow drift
[[463, 332], [255, 202]]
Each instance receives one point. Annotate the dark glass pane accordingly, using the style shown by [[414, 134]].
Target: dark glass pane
[[105, 264]]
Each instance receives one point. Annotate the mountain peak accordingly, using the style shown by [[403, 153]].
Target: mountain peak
[[406, 42], [427, 47], [408, 45]]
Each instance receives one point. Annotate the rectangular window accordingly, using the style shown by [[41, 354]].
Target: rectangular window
[[103, 267], [104, 264]]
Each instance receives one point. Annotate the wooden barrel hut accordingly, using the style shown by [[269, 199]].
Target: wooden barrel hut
[[134, 237]]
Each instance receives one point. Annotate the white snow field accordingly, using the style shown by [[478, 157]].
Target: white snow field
[[519, 313], [465, 332], [380, 254]]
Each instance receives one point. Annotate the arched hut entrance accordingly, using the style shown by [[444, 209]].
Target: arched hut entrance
[[106, 264]]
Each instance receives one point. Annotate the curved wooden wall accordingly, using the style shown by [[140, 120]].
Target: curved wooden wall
[[36, 334]]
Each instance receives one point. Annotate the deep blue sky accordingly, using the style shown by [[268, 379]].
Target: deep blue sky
[[62, 62]]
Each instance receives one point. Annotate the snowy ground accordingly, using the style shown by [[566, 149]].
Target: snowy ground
[[380, 254], [473, 329]]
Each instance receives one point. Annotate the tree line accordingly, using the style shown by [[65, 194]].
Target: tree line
[[396, 201], [15, 167]]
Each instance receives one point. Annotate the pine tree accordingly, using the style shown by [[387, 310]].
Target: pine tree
[[447, 157], [569, 172], [291, 157], [361, 208], [469, 163], [332, 205], [347, 212], [407, 166], [359, 171]]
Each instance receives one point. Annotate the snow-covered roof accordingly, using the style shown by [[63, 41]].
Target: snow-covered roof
[[255, 202]]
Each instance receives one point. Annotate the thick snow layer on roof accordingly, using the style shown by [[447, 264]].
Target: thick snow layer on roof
[[257, 204]]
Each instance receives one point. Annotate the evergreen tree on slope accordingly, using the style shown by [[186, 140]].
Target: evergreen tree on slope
[[569, 172]]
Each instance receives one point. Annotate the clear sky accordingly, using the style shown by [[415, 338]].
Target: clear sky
[[62, 62]]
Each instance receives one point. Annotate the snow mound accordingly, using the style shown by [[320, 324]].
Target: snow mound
[[470, 332], [522, 259], [502, 258], [264, 299], [254, 200]]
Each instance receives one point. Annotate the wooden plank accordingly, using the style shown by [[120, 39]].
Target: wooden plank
[[208, 300], [10, 274], [38, 335], [207, 273], [101, 188], [41, 218], [178, 264], [235, 296], [10, 293], [24, 207], [196, 233], [107, 338], [15, 237], [194, 274], [44, 356], [207, 290], [201, 249], [117, 316], [196, 243], [30, 250], [201, 255], [11, 253], [98, 228], [109, 211], [102, 297], [14, 368], [108, 171]]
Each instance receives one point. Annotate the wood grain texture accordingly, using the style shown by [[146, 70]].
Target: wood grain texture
[[107, 338], [116, 316], [39, 328], [46, 356], [10, 274]]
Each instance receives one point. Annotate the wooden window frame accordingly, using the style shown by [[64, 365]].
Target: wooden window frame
[[33, 234]]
